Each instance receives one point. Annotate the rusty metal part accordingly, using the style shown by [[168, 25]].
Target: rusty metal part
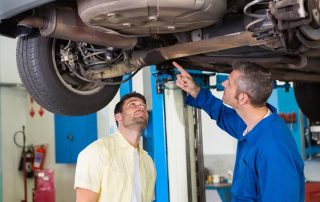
[[302, 63], [159, 55], [288, 10], [277, 74], [314, 11], [294, 76], [114, 71], [258, 60], [33, 22], [156, 56], [306, 42], [297, 62], [64, 23]]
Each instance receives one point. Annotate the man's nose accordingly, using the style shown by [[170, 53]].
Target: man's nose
[[224, 83], [141, 107]]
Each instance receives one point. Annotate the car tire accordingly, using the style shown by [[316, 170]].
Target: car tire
[[37, 71], [308, 99]]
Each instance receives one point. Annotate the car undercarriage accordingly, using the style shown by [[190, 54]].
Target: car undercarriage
[[71, 55]]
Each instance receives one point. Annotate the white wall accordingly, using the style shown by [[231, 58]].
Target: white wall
[[105, 117], [13, 111], [215, 140], [12, 117], [8, 69], [219, 148]]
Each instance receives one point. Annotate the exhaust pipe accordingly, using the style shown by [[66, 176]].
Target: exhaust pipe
[[65, 23], [141, 59]]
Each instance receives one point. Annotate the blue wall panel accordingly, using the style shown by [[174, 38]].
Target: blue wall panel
[[288, 104], [72, 135], [285, 102]]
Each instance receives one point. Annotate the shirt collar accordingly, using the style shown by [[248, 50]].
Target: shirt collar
[[272, 108], [124, 144], [253, 136]]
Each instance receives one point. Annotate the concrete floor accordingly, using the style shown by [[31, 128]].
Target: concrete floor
[[311, 170]]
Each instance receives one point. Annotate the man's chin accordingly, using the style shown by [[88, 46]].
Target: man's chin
[[142, 123], [225, 102]]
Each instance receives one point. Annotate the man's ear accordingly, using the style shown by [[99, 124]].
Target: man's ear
[[243, 98], [118, 117]]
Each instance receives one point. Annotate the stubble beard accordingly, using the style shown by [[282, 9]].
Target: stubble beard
[[141, 122], [229, 101], [136, 122], [224, 99]]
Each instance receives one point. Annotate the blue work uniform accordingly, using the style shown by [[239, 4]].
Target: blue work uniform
[[268, 165]]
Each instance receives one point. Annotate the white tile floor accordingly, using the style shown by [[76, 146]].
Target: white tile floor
[[312, 170]]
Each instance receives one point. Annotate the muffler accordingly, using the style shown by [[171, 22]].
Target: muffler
[[65, 23]]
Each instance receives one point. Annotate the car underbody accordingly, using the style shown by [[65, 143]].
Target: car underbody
[[90, 44]]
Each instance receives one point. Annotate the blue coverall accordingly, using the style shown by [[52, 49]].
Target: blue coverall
[[268, 166]]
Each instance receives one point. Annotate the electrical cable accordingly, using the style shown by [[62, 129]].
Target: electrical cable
[[23, 159], [23, 136]]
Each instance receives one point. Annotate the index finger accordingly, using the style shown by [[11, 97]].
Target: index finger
[[180, 68]]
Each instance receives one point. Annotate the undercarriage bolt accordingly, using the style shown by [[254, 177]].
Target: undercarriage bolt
[[111, 15], [152, 18], [171, 27], [126, 24]]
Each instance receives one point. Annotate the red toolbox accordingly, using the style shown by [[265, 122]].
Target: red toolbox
[[312, 191], [43, 196], [44, 186]]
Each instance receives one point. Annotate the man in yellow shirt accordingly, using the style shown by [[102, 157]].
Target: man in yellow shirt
[[116, 168]]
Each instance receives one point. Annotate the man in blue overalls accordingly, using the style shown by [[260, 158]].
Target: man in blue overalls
[[268, 166]]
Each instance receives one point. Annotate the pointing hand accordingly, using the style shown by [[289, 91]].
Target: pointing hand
[[185, 81], [183, 72]]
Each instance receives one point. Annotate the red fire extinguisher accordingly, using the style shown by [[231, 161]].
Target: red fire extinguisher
[[39, 157]]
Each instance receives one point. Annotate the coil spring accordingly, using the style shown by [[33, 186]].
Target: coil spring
[[261, 27]]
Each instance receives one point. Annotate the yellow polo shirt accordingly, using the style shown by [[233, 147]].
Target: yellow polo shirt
[[107, 165]]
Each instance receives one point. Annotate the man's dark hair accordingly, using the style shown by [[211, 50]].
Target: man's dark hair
[[255, 81], [119, 105]]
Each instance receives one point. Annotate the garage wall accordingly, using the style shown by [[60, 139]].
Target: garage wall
[[219, 148], [12, 118], [215, 140], [1, 170], [8, 70]]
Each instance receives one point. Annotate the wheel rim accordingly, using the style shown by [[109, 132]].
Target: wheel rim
[[67, 78]]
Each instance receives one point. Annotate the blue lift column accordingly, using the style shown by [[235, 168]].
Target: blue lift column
[[126, 87], [159, 145]]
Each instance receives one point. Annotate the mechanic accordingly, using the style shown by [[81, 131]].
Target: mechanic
[[116, 168], [268, 166]]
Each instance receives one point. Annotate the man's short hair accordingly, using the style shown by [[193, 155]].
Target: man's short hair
[[255, 81], [119, 105]]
